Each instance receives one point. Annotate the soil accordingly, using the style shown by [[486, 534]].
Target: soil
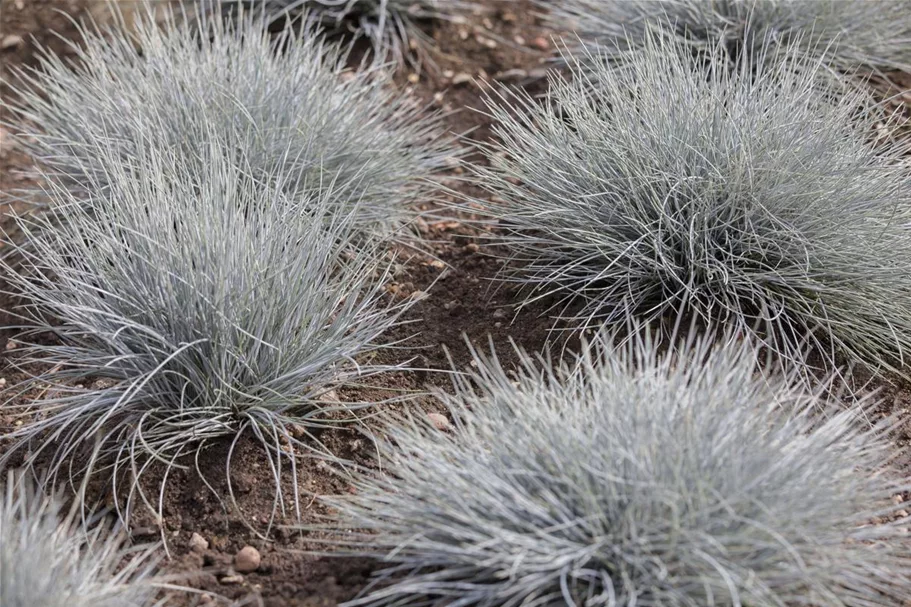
[[507, 45]]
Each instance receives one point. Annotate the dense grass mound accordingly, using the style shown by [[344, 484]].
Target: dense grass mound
[[206, 305], [391, 26], [646, 188], [285, 101], [632, 477], [48, 560], [850, 35]]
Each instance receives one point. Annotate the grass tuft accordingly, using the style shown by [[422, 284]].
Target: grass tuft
[[205, 306], [286, 102], [632, 476], [393, 27], [49, 560], [646, 189], [853, 36]]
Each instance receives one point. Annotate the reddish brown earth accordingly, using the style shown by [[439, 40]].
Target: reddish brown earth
[[507, 45]]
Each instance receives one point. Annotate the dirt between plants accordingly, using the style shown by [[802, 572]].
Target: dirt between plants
[[508, 45]]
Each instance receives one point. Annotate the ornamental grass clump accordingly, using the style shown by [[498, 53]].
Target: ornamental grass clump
[[646, 189], [851, 36], [632, 477], [393, 27], [285, 102], [49, 560], [203, 307]]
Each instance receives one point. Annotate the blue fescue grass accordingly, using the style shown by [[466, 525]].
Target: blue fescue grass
[[850, 36], [391, 26], [653, 187], [48, 558], [188, 303], [286, 102], [632, 476]]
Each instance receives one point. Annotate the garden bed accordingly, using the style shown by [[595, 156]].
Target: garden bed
[[508, 45], [461, 302]]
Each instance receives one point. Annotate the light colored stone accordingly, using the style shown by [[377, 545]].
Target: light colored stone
[[541, 43], [247, 559], [439, 421], [198, 543], [461, 78], [232, 580], [11, 41]]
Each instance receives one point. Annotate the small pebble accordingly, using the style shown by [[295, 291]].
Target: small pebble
[[11, 41], [448, 74], [439, 421], [499, 313], [519, 40], [7, 142], [231, 580], [461, 78], [541, 43], [198, 543], [508, 16], [247, 559], [472, 247], [2, 381], [414, 78], [515, 74], [145, 531]]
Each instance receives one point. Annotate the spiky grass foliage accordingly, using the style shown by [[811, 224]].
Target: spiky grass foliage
[[849, 35], [628, 477], [49, 560], [204, 305], [391, 26], [284, 101], [756, 202]]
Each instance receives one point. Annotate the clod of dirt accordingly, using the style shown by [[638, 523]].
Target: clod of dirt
[[247, 560]]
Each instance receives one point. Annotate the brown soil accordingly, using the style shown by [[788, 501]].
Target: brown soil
[[507, 45]]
